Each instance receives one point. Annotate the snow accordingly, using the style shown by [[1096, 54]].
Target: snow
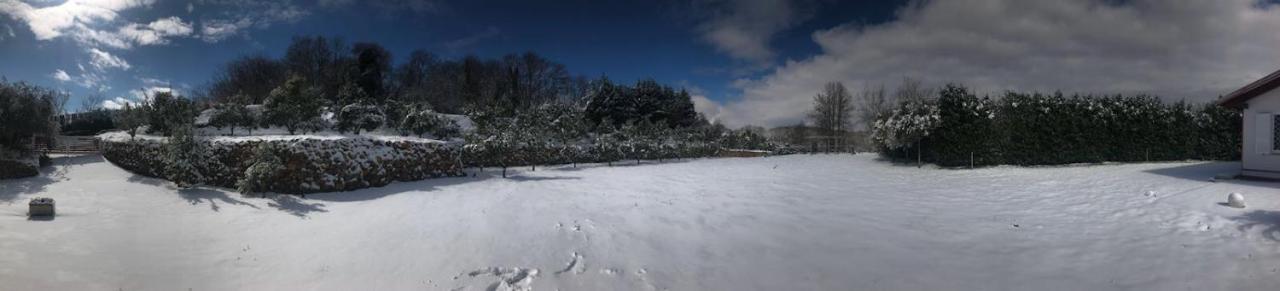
[[802, 222], [1235, 200]]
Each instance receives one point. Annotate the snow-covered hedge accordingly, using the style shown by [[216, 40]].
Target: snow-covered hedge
[[959, 128], [308, 163]]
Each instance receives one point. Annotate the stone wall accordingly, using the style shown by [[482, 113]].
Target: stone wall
[[309, 164]]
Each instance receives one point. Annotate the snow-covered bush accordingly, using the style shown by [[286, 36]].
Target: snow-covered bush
[[420, 120], [1038, 129], [293, 106], [166, 112], [130, 118], [232, 115], [264, 166], [906, 125], [183, 157], [357, 117]]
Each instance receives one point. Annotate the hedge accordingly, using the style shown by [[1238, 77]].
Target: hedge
[[1044, 129]]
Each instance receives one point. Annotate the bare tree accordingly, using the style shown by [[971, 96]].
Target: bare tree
[[92, 102], [831, 113], [912, 90], [873, 105]]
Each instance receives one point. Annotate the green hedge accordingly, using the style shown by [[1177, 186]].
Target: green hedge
[[1044, 129]]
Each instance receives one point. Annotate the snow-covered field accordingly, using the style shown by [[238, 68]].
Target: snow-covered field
[[821, 222]]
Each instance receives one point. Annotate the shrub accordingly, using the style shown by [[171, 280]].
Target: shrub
[[357, 117], [25, 111], [183, 157], [1041, 129], [232, 115], [294, 106], [261, 170], [166, 112]]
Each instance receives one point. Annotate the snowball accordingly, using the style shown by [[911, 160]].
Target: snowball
[[1235, 200], [1150, 194]]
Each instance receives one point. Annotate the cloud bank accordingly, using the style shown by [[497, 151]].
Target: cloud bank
[[1178, 49]]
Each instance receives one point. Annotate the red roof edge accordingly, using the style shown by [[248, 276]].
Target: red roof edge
[[1242, 95]]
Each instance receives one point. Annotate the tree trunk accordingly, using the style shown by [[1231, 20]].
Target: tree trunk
[[919, 162]]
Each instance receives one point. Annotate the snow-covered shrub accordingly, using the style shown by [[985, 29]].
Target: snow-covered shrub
[[232, 115], [420, 120], [357, 117], [1039, 129], [293, 106], [166, 112], [264, 166], [183, 157], [906, 125], [130, 118], [964, 129]]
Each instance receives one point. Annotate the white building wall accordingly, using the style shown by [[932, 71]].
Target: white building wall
[[1258, 158]]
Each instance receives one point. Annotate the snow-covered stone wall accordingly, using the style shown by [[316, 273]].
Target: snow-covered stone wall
[[309, 163]]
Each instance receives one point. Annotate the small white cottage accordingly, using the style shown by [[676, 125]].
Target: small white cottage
[[1260, 100]]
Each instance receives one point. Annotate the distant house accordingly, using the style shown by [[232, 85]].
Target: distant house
[[1261, 103]]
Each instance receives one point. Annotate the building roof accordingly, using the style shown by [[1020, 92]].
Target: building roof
[[1242, 95]]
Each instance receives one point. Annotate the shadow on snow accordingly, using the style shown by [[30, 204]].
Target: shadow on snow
[[1268, 221], [57, 172]]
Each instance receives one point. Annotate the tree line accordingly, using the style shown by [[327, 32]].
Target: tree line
[[526, 110], [955, 127]]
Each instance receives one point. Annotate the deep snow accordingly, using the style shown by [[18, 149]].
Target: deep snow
[[822, 222]]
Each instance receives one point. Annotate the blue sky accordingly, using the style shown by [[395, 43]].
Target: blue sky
[[625, 40], [748, 62]]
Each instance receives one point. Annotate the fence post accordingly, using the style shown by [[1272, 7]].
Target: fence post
[[970, 160]]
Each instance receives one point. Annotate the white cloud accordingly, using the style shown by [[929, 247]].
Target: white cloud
[[92, 80], [103, 60], [743, 29], [54, 21], [60, 75], [1177, 49], [136, 97], [118, 103], [156, 32], [239, 15], [217, 30]]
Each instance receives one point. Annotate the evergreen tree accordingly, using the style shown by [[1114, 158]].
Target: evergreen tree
[[293, 105], [183, 157], [357, 117], [167, 111]]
